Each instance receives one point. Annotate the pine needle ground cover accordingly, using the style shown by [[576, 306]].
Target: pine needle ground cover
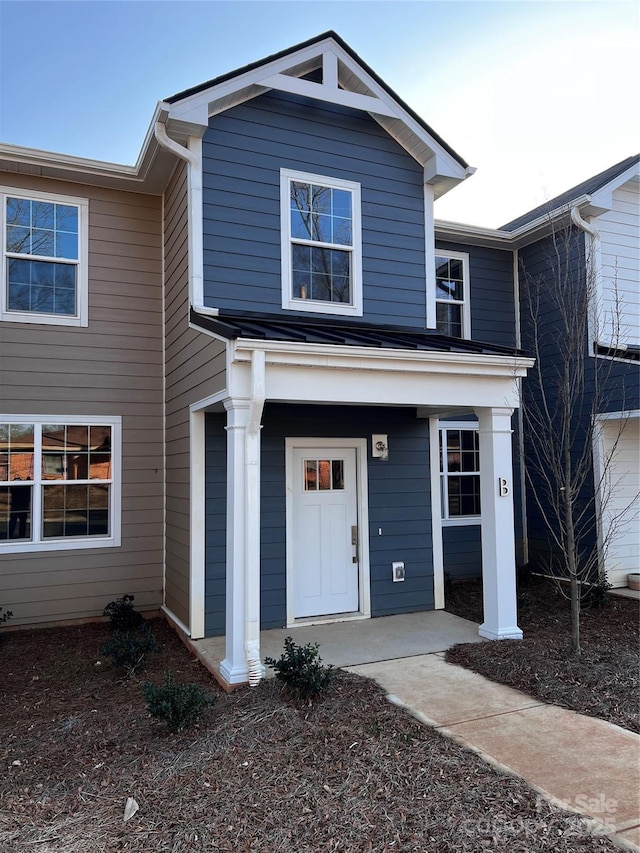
[[604, 681], [350, 772]]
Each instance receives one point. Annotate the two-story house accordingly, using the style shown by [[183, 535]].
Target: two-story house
[[249, 379], [581, 261]]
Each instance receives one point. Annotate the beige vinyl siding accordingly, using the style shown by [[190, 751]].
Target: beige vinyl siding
[[113, 367], [619, 230], [194, 369]]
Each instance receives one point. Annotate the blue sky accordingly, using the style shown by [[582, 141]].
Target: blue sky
[[537, 95]]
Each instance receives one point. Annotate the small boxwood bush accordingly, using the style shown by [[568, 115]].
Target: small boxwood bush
[[4, 617], [122, 614], [177, 705], [300, 670], [129, 649]]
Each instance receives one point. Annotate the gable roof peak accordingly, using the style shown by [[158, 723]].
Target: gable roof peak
[[344, 80]]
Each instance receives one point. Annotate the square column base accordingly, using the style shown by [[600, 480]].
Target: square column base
[[234, 675], [500, 633]]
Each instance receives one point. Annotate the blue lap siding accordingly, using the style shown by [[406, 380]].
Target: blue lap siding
[[399, 505], [243, 152], [617, 389]]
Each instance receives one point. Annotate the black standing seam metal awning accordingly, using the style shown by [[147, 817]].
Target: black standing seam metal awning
[[339, 332]]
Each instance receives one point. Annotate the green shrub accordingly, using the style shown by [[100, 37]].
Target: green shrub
[[4, 617], [597, 594], [300, 669], [129, 649], [122, 614], [177, 705]]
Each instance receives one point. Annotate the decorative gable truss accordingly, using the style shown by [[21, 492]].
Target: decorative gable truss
[[344, 80]]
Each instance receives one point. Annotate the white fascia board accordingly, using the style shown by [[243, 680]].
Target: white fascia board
[[463, 231], [509, 239], [39, 157], [442, 168], [86, 165], [382, 359], [603, 198]]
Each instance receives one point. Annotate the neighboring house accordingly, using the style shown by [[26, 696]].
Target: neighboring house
[[246, 377], [591, 233]]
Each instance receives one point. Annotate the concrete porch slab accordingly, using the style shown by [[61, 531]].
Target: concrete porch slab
[[360, 641]]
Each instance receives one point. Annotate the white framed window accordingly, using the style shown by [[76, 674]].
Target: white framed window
[[59, 482], [44, 258], [453, 316], [321, 244], [460, 473]]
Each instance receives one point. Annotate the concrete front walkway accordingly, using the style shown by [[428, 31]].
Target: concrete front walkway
[[582, 763]]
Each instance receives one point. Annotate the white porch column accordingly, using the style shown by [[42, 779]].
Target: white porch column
[[498, 533], [234, 668]]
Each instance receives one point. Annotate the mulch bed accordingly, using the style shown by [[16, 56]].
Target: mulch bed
[[258, 773], [604, 681]]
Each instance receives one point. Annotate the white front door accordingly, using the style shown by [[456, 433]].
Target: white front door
[[324, 531]]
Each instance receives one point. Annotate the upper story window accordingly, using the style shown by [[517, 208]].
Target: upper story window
[[460, 473], [321, 244], [59, 483], [452, 294], [44, 269]]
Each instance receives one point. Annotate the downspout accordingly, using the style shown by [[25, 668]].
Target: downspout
[[195, 217], [582, 224], [521, 456], [165, 141], [252, 518], [591, 267]]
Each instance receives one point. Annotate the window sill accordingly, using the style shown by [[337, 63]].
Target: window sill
[[42, 319], [463, 521], [309, 306], [21, 546]]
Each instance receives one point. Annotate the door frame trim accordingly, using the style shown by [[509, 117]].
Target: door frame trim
[[362, 508]]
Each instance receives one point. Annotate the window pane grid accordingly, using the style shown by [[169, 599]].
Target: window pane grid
[[323, 475], [42, 254], [55, 481], [451, 296], [460, 473], [321, 234]]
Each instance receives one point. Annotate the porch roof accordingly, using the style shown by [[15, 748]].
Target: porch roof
[[312, 330]]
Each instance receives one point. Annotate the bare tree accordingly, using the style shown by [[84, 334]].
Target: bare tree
[[562, 396]]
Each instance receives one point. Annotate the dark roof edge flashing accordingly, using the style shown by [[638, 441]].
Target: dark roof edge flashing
[[234, 325]]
